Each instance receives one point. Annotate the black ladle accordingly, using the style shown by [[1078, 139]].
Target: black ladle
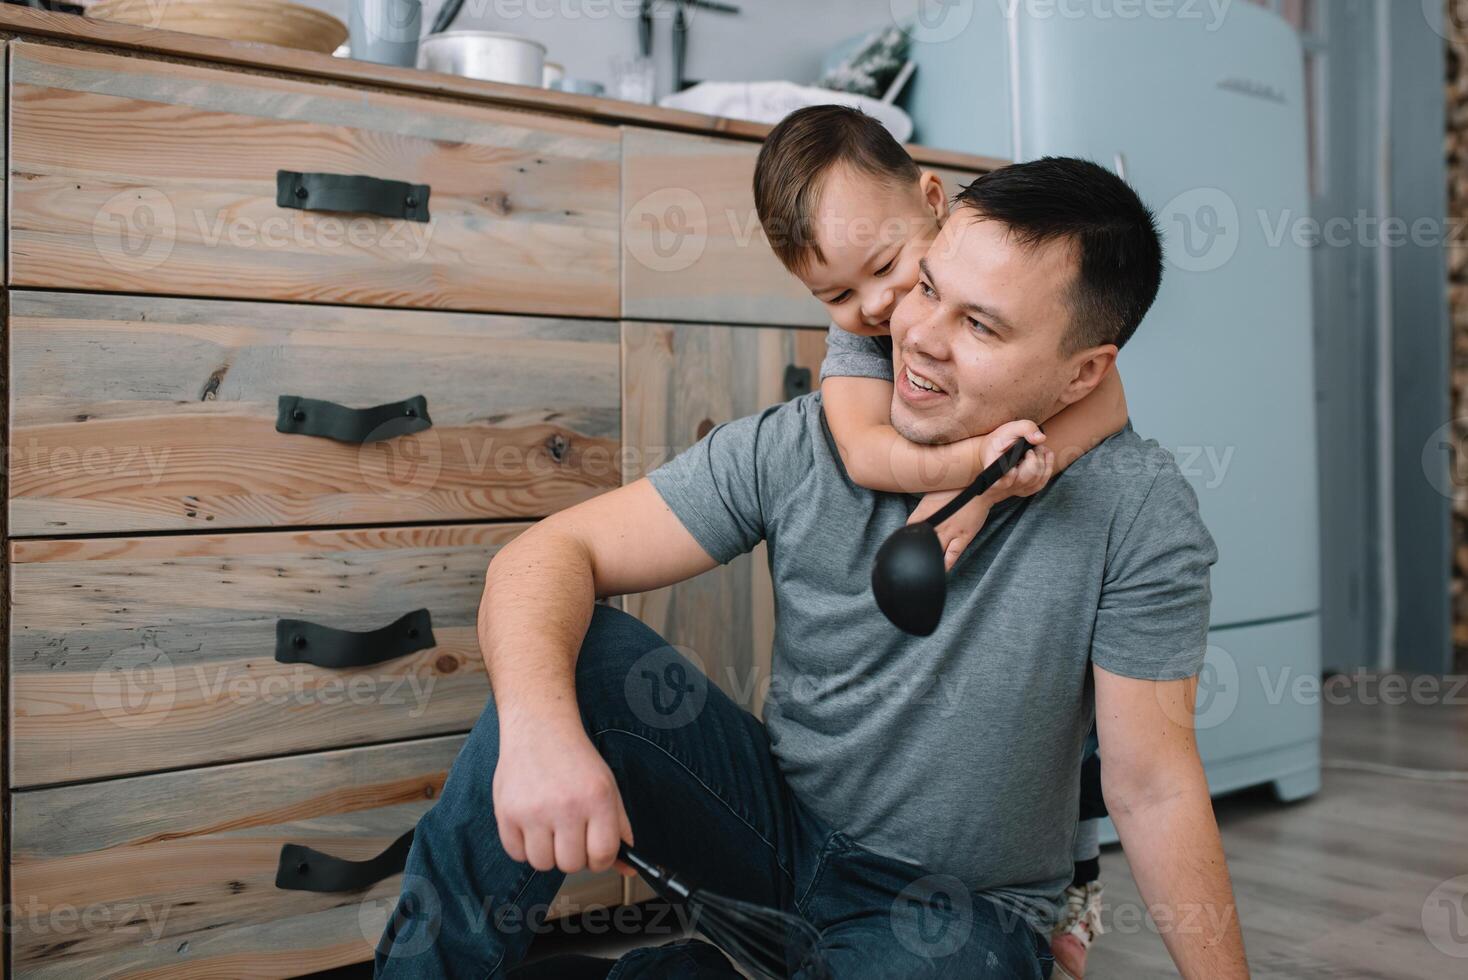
[[908, 577]]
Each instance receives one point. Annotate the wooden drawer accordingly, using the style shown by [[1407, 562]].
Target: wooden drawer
[[174, 874], [680, 381], [132, 175], [692, 244], [136, 654], [145, 413]]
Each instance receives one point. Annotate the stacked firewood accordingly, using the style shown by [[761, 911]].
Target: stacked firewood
[[1457, 152]]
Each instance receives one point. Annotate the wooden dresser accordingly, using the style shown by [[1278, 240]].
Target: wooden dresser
[[292, 345]]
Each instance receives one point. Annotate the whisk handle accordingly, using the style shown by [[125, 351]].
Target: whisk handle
[[663, 881]]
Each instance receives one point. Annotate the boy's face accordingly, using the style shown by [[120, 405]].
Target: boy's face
[[984, 326], [871, 232]]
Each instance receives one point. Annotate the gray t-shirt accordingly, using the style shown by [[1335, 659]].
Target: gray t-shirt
[[961, 751], [850, 356]]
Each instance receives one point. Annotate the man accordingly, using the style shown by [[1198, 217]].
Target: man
[[914, 798]]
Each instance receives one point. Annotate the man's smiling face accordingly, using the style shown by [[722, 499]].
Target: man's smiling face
[[980, 340]]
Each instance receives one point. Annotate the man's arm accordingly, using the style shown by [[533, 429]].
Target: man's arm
[[1147, 648], [1155, 789], [556, 801]]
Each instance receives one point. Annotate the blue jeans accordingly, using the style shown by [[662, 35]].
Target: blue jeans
[[706, 799]]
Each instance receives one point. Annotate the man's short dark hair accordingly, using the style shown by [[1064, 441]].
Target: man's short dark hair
[[1057, 199], [796, 158]]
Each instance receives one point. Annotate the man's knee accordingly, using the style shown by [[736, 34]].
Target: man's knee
[[613, 646], [612, 633], [617, 651]]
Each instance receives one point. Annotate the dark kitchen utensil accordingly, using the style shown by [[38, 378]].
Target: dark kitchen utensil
[[680, 47], [446, 15], [908, 578], [767, 942], [680, 34], [644, 29]]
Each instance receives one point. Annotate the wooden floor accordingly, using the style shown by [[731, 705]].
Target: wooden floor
[[1331, 887], [1334, 886]]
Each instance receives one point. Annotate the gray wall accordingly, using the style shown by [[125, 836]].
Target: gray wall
[[1347, 314], [769, 39], [1420, 342], [1382, 343]]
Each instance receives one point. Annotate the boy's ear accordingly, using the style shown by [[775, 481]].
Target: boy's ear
[[930, 185]]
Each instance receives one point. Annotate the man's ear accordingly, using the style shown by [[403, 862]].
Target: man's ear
[[1088, 368], [935, 196]]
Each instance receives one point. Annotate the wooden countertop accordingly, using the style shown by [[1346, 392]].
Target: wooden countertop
[[16, 21]]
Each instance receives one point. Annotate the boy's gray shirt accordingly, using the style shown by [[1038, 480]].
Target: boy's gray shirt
[[959, 752], [850, 356]]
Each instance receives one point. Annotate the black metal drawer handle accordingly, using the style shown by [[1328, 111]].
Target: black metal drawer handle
[[300, 642], [305, 869], [297, 415], [797, 381], [354, 193]]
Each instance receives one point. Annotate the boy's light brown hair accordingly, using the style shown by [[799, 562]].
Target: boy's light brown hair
[[793, 164]]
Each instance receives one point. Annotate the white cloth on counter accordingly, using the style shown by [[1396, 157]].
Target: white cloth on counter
[[769, 102]]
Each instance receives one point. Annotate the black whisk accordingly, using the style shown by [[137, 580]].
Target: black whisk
[[769, 943]]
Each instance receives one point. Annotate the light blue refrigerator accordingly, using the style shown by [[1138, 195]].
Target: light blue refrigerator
[[1205, 116]]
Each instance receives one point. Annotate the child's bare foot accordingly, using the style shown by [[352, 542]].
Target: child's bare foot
[[1079, 926], [1070, 958]]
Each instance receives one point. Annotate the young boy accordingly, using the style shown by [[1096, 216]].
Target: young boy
[[851, 215]]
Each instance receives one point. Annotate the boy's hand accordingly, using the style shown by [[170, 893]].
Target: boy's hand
[[1026, 479], [955, 533], [1033, 471]]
